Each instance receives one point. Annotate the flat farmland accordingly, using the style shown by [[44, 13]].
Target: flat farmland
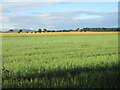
[[59, 33], [60, 61]]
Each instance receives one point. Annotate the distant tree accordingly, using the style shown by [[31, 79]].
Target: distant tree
[[100, 29], [90, 29], [11, 30], [117, 29], [52, 30], [77, 29], [39, 30], [35, 31], [44, 30], [31, 32], [84, 29], [20, 30], [26, 32], [81, 30], [48, 31]]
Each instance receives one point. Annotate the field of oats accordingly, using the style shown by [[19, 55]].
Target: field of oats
[[58, 33], [60, 61]]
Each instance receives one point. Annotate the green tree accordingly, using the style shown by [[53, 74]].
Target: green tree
[[44, 30], [20, 30], [35, 31], [78, 29], [81, 30], [11, 30], [39, 30]]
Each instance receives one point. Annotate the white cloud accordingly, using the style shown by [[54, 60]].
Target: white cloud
[[6, 27], [49, 16], [62, 20], [4, 18], [85, 16]]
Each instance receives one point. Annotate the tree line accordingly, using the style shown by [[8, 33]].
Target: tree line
[[83, 30], [75, 30], [100, 29]]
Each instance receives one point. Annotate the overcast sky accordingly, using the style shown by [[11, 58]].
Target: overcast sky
[[57, 15]]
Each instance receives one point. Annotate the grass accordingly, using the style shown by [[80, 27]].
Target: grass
[[64, 61]]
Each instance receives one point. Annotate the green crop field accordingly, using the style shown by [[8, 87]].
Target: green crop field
[[60, 61]]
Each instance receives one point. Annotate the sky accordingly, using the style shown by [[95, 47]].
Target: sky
[[57, 15]]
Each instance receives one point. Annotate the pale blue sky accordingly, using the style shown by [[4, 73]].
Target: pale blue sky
[[69, 15], [70, 6]]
